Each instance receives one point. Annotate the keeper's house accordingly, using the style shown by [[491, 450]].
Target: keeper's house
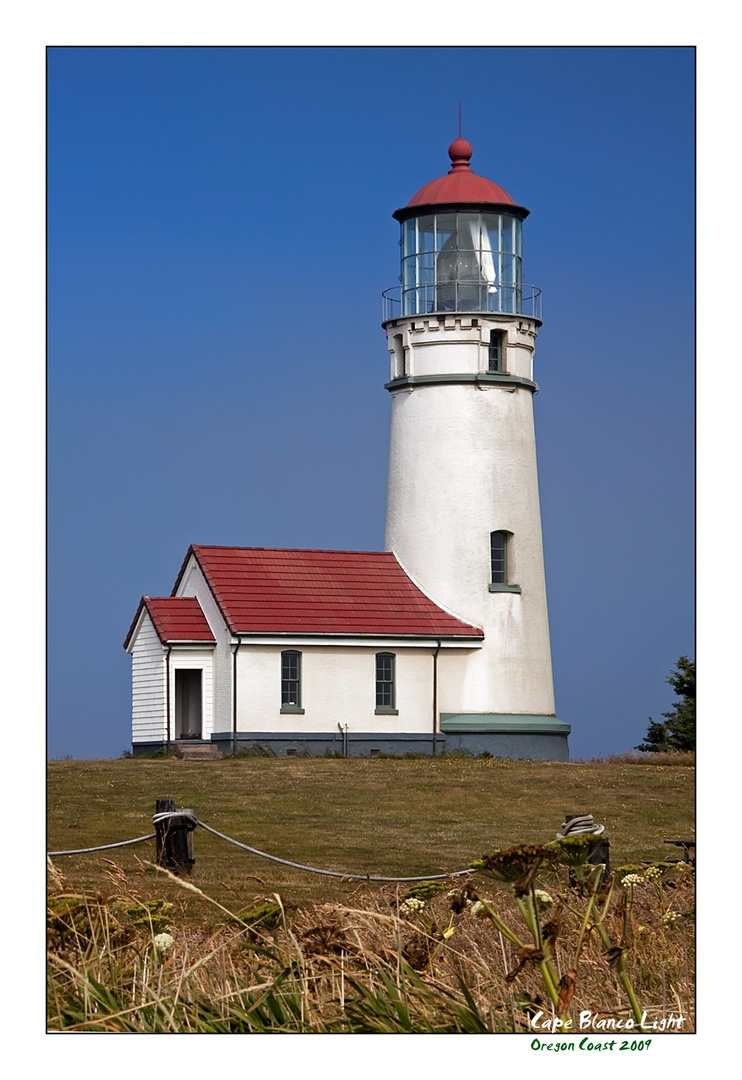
[[295, 652]]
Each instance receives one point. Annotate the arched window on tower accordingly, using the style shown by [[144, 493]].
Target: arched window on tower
[[497, 351], [499, 558], [500, 562], [398, 366]]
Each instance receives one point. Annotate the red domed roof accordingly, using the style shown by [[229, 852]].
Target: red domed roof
[[460, 185]]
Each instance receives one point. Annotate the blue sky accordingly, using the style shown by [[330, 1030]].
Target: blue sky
[[219, 234]]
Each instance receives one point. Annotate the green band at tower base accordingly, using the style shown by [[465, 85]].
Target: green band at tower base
[[507, 735]]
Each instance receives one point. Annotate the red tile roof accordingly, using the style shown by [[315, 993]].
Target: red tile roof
[[283, 591], [175, 618]]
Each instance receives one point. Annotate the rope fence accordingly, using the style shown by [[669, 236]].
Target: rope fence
[[188, 820], [103, 847]]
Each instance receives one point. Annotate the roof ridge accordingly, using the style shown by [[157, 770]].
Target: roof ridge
[[312, 551], [169, 597]]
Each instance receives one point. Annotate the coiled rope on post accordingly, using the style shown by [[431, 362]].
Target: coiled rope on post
[[164, 815]]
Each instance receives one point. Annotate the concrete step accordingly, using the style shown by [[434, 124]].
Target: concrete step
[[195, 751]]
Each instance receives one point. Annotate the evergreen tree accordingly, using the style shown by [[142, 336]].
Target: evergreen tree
[[678, 732]]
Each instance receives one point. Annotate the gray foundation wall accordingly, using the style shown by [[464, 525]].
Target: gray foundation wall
[[537, 747], [509, 745]]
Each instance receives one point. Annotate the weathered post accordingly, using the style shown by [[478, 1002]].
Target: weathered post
[[174, 837]]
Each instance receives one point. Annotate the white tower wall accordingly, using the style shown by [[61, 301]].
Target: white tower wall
[[462, 464]]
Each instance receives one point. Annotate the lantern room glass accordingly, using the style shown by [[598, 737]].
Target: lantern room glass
[[462, 261]]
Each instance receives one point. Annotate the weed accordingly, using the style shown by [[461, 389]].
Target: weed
[[330, 968]]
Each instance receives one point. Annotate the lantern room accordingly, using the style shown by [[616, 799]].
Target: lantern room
[[461, 247]]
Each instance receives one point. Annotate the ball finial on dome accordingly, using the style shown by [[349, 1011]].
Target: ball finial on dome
[[459, 152]]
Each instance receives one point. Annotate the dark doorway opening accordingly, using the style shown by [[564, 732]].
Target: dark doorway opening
[[188, 708]]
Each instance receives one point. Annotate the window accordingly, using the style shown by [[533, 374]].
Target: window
[[500, 542], [497, 351], [499, 558], [398, 362], [291, 682], [385, 684]]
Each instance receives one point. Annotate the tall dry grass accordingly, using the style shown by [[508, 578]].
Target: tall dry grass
[[389, 960]]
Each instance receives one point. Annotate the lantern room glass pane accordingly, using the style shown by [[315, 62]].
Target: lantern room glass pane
[[408, 238], [445, 231], [507, 283], [491, 231], [507, 234], [426, 233], [467, 230], [508, 269]]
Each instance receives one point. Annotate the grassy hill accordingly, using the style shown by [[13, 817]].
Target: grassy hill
[[381, 817]]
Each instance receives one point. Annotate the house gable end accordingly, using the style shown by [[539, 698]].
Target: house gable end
[[136, 626], [192, 581]]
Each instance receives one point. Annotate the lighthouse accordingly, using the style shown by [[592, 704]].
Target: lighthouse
[[463, 515], [439, 643]]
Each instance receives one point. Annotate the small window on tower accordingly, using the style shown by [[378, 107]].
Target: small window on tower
[[500, 552], [499, 558], [497, 351], [398, 361]]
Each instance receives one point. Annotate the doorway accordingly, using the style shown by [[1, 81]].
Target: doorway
[[188, 708]]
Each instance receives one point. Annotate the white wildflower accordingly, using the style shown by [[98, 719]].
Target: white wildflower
[[633, 879], [652, 872], [164, 942], [542, 898], [478, 910], [669, 917], [411, 906]]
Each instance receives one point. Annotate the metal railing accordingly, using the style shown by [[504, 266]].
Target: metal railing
[[459, 296]]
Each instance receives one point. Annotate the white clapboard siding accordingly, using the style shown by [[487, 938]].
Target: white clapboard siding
[[149, 704]]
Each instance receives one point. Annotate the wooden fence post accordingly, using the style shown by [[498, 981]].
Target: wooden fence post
[[174, 838]]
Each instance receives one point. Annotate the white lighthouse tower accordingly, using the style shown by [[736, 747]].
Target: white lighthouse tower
[[463, 512]]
